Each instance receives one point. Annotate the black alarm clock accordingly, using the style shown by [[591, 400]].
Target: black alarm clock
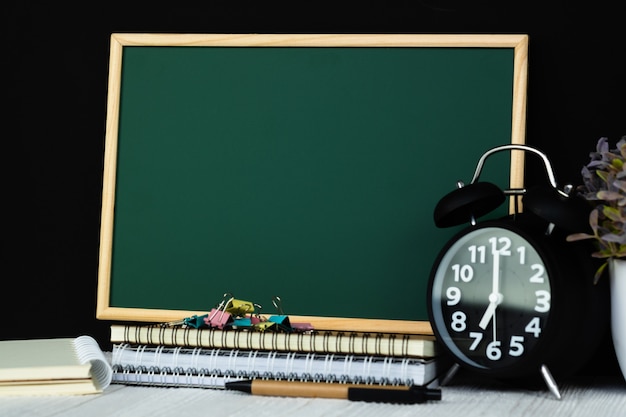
[[509, 298]]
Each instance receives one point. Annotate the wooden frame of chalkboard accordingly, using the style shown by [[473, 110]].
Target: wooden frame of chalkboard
[[300, 166]]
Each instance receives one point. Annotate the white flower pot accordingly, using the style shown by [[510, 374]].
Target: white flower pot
[[617, 276]]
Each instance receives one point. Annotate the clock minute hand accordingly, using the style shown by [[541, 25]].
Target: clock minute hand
[[495, 280], [495, 298]]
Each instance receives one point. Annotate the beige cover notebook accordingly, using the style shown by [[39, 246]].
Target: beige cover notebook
[[53, 366], [355, 343]]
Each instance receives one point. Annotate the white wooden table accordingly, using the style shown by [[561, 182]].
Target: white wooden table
[[464, 397]]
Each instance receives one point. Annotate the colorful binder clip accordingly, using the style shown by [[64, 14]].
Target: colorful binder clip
[[242, 315], [242, 323], [302, 327], [282, 321], [195, 321], [264, 326], [239, 307], [218, 317]]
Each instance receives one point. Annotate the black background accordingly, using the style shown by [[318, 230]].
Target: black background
[[55, 63]]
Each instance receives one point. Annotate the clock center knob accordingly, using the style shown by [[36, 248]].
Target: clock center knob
[[495, 298]]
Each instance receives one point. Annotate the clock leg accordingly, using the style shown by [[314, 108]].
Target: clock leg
[[449, 374], [550, 382]]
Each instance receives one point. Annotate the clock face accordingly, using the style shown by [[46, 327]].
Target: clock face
[[490, 298]]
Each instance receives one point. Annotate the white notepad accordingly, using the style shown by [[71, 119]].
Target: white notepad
[[53, 366]]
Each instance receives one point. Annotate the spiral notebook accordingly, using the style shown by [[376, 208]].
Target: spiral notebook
[[359, 343], [212, 368], [53, 366]]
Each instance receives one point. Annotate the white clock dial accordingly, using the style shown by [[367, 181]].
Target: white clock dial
[[491, 297]]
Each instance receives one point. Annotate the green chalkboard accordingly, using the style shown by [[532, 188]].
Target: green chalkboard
[[300, 166]]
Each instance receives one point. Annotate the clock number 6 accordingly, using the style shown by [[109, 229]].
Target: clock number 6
[[493, 350]]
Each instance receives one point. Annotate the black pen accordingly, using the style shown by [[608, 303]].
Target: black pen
[[402, 394]]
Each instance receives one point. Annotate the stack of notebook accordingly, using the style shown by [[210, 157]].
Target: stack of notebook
[[209, 357]]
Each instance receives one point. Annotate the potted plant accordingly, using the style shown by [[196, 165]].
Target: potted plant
[[604, 186]]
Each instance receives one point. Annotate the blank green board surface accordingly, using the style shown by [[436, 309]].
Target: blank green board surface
[[308, 173]]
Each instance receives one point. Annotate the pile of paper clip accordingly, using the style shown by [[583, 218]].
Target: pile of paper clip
[[235, 314]]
